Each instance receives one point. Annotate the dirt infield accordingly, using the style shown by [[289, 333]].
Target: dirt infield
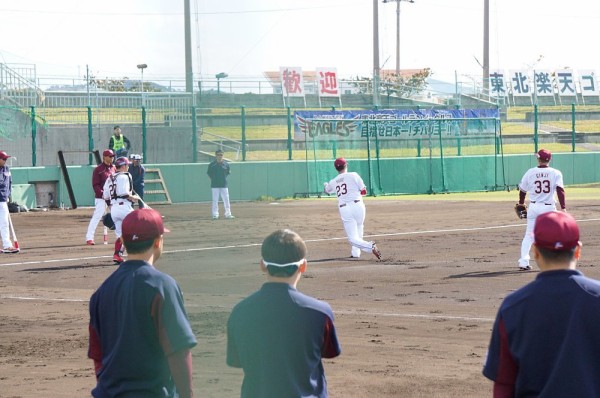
[[415, 324]]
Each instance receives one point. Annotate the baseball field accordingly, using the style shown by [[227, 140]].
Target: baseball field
[[415, 324]]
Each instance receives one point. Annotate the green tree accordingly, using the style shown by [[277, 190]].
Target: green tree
[[394, 84]]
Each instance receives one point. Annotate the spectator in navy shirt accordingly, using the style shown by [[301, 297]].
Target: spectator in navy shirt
[[279, 335], [546, 337]]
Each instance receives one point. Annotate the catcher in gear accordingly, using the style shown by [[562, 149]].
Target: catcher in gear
[[521, 210]]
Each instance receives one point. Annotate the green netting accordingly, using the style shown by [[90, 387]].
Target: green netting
[[428, 148], [15, 132]]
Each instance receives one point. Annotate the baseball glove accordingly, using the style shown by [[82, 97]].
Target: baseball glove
[[108, 221], [521, 210]]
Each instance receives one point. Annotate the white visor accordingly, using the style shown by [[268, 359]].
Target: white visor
[[297, 263]]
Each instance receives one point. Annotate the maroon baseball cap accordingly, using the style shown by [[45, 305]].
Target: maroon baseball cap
[[4, 155], [108, 152], [143, 224], [556, 230], [340, 163], [544, 155]]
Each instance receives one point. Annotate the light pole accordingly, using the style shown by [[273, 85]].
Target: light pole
[[142, 67], [220, 76], [398, 30]]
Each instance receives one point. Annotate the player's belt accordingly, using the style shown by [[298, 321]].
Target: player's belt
[[547, 204], [344, 204]]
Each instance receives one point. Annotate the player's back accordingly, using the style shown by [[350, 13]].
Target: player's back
[[541, 183], [347, 186]]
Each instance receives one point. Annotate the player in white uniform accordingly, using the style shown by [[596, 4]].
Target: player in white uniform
[[349, 188], [121, 202], [540, 183]]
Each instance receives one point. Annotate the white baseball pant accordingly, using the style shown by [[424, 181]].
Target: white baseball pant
[[353, 218], [4, 227], [533, 211], [224, 194], [119, 211], [99, 209]]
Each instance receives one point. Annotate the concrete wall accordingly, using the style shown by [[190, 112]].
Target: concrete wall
[[253, 180]]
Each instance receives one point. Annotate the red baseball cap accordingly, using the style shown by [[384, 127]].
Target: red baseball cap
[[143, 224], [544, 155], [4, 155], [108, 152], [556, 230], [340, 163]]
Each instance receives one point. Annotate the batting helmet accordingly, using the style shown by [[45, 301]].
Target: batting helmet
[[108, 152], [122, 161]]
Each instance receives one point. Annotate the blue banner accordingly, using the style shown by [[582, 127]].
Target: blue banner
[[394, 124]]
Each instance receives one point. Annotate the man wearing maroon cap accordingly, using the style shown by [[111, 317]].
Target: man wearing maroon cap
[[5, 192], [99, 176], [541, 183], [140, 336], [545, 338]]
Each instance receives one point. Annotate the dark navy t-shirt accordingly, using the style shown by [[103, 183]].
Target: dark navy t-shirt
[[278, 336], [137, 319], [546, 338]]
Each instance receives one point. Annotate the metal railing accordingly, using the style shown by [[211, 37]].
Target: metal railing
[[219, 140]]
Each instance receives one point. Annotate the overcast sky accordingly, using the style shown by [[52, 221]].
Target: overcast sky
[[244, 38]]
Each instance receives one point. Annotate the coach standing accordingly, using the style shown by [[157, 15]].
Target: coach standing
[[545, 338], [218, 171], [99, 176], [5, 192], [140, 336]]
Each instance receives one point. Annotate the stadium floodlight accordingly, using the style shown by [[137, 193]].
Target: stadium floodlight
[[220, 76]]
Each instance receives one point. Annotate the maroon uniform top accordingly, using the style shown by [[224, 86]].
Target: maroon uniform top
[[99, 176]]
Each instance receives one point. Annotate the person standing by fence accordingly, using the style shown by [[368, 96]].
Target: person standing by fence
[[138, 174], [218, 171], [119, 143], [5, 192]]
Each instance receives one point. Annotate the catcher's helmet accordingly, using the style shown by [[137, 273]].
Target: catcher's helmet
[[122, 161]]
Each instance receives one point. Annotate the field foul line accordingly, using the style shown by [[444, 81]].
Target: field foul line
[[422, 316], [336, 312], [432, 231]]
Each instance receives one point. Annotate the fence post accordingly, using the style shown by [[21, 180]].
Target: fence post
[[144, 133], [289, 131], [573, 127], [243, 133], [90, 135], [33, 137], [535, 127], [194, 136]]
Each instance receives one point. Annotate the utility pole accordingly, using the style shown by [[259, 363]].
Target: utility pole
[[189, 74], [375, 53], [486, 47], [398, 31]]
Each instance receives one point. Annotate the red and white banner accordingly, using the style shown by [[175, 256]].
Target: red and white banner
[[292, 81], [327, 82]]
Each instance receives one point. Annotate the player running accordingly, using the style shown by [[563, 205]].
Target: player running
[[349, 188]]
